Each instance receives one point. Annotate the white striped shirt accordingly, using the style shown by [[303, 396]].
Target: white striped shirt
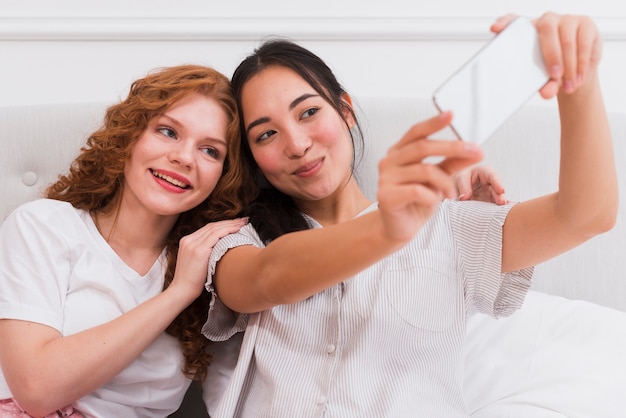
[[388, 342]]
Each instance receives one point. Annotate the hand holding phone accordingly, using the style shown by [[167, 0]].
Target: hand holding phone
[[494, 83]]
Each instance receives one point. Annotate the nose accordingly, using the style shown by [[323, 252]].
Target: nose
[[182, 153], [297, 144]]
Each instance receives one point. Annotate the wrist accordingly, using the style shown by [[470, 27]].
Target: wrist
[[180, 295]]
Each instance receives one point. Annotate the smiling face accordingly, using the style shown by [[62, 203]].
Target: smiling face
[[300, 143], [178, 159]]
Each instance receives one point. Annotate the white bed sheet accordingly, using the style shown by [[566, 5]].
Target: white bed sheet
[[553, 358]]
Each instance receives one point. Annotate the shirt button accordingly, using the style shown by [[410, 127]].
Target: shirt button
[[330, 348], [321, 400]]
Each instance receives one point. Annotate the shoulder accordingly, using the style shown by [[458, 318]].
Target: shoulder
[[43, 207], [468, 212], [247, 235], [48, 213]]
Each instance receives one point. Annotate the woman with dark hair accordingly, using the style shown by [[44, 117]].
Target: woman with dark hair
[[353, 308], [89, 281]]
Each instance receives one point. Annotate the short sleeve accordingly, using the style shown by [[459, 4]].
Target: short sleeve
[[477, 229], [35, 264], [222, 323]]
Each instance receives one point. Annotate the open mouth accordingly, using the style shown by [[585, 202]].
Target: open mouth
[[170, 180]]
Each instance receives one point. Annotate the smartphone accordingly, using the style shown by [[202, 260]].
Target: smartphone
[[494, 83]]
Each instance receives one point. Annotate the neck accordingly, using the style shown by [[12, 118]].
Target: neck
[[137, 238], [125, 228], [343, 205]]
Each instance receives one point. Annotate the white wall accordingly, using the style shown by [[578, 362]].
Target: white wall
[[86, 51]]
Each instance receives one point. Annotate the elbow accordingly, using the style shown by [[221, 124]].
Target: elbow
[[593, 219], [607, 223], [36, 407], [36, 412], [34, 399], [601, 223], [607, 219]]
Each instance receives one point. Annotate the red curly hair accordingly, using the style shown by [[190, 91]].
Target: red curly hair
[[96, 177]]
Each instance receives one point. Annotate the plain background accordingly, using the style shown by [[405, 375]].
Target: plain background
[[76, 51]]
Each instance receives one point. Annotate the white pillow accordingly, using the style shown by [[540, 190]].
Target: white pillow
[[555, 357]]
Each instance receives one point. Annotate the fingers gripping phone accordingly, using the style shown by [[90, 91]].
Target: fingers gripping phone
[[494, 83]]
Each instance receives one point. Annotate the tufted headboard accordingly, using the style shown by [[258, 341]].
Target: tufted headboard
[[39, 142]]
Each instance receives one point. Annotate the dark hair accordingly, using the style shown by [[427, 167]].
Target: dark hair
[[273, 213], [96, 177]]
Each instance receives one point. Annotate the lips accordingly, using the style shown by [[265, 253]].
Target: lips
[[170, 179], [309, 168]]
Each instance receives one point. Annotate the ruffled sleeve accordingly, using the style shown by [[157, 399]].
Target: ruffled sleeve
[[222, 323], [477, 228]]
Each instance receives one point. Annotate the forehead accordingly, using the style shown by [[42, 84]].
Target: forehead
[[275, 80], [271, 92], [197, 113]]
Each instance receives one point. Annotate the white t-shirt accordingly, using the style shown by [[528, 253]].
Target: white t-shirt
[[387, 342], [57, 270]]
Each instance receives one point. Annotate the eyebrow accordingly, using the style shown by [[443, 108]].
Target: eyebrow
[[292, 105], [172, 119], [175, 121]]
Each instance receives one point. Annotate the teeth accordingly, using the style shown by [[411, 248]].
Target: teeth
[[170, 179]]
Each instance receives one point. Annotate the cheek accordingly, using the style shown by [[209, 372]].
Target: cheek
[[268, 159], [333, 133], [142, 151], [210, 176], [130, 165], [213, 173]]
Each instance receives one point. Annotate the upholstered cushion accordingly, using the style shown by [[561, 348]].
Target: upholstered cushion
[[39, 143]]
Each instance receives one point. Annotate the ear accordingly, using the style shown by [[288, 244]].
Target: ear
[[347, 115]]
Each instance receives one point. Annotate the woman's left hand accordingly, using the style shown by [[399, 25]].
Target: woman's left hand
[[571, 48]]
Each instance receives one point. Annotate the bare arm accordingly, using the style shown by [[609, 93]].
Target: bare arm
[[46, 371], [587, 199], [300, 264]]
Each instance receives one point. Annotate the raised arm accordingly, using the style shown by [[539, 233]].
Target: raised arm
[[298, 265], [586, 202]]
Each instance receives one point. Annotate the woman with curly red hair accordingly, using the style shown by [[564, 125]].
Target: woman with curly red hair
[[89, 282]]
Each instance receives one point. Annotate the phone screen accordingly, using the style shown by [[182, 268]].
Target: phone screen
[[494, 83]]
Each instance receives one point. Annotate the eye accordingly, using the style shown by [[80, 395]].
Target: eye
[[212, 152], [265, 135], [167, 131], [309, 112]]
